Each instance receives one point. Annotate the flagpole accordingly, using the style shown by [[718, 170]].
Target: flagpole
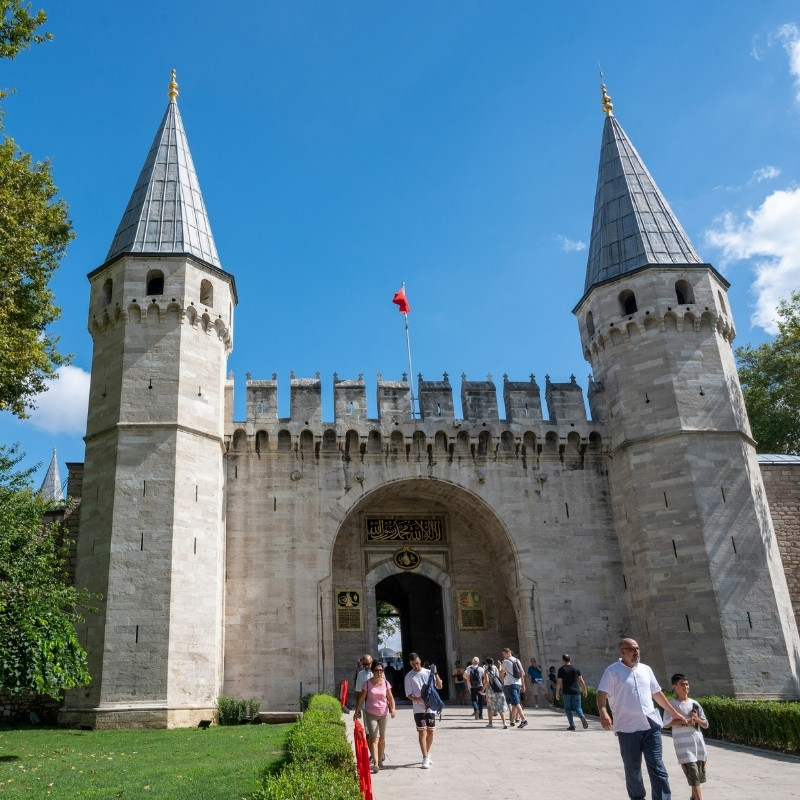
[[401, 301], [410, 370]]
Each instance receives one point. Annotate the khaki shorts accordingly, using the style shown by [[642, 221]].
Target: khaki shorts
[[376, 726], [695, 772]]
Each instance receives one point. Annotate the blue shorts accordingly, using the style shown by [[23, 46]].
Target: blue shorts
[[512, 693], [425, 721]]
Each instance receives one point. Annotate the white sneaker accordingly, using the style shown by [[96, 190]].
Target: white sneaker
[[426, 763]]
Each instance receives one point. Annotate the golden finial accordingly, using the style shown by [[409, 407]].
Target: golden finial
[[173, 89], [607, 104]]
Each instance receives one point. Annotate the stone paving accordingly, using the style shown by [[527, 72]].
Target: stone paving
[[545, 760]]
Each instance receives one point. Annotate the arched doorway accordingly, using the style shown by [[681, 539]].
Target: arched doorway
[[438, 552], [422, 623]]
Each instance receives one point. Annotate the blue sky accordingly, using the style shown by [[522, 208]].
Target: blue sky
[[344, 147]]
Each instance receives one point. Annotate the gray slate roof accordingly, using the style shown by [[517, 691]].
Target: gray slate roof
[[51, 487], [633, 225], [166, 213]]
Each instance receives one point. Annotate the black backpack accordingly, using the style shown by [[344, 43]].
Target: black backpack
[[516, 669], [475, 681]]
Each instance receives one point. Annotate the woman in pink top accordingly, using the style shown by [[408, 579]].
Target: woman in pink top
[[378, 701]]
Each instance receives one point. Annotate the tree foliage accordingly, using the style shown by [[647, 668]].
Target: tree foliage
[[18, 27], [770, 377], [40, 651], [388, 622], [34, 233]]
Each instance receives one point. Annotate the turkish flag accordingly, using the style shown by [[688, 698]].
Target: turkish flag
[[401, 301]]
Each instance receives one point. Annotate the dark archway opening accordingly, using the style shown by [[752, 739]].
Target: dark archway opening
[[419, 601]]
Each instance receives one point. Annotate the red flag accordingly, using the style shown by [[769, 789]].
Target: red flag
[[401, 301]]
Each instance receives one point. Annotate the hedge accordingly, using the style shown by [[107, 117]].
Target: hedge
[[758, 723], [769, 724], [319, 762]]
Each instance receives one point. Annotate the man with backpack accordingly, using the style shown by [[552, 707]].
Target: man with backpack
[[513, 683], [474, 675], [425, 719]]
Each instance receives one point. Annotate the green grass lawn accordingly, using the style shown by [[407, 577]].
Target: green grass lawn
[[215, 764]]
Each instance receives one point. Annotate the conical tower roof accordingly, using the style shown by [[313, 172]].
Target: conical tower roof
[[633, 225], [166, 212], [51, 485]]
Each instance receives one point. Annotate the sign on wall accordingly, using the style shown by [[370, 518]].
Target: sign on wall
[[348, 610], [420, 530], [471, 610]]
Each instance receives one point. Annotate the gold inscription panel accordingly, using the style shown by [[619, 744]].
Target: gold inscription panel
[[348, 610], [471, 610], [420, 530]]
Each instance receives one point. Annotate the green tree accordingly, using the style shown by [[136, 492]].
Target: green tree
[[770, 377], [34, 233], [40, 651], [388, 622], [18, 27]]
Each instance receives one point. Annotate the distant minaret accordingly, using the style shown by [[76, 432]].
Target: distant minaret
[[152, 531], [51, 485], [702, 571]]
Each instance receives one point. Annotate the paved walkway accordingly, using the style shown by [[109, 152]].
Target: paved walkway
[[545, 760]]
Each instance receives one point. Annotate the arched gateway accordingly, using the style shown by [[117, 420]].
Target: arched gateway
[[442, 557]]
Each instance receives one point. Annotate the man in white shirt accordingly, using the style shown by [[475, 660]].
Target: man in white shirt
[[630, 687], [364, 674], [514, 687], [424, 719]]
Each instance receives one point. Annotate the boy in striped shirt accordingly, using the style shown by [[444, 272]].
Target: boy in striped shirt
[[690, 747]]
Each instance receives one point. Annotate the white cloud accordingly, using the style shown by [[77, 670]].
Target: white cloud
[[62, 408], [789, 36], [766, 173], [770, 235], [570, 245]]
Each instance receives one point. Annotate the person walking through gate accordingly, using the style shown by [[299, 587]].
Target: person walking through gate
[[424, 719], [570, 684], [474, 673], [376, 697], [514, 684], [460, 684], [630, 687]]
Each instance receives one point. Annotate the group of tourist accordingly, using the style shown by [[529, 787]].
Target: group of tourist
[[498, 688], [627, 685]]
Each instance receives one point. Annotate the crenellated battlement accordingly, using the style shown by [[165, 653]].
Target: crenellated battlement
[[481, 431], [154, 313]]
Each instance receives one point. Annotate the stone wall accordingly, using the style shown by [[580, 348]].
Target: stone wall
[[782, 483]]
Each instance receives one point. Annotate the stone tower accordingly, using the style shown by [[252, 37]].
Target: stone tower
[[152, 533], [702, 571]]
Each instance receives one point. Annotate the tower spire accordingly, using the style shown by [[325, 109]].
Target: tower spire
[[166, 213], [51, 485], [633, 225]]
